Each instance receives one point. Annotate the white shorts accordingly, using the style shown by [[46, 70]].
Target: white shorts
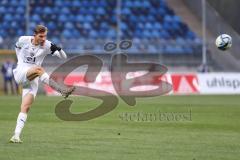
[[31, 87], [20, 75]]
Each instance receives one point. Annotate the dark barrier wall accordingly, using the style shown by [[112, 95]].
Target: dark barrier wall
[[229, 10]]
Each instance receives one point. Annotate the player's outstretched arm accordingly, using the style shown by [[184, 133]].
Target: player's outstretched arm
[[57, 51]]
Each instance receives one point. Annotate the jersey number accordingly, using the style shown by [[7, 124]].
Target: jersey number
[[30, 60]]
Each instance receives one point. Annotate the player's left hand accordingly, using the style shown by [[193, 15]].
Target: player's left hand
[[54, 48]]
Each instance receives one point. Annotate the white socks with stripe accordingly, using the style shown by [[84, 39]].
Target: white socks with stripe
[[22, 117], [44, 78]]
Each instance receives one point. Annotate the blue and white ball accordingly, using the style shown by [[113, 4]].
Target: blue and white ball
[[224, 42]]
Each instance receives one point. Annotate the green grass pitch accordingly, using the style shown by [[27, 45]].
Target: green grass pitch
[[211, 133]]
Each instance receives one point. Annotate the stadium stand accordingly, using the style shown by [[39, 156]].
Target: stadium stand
[[88, 24]]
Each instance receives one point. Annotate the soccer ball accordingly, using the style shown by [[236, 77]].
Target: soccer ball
[[224, 42]]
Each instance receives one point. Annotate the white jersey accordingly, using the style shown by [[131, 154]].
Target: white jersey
[[28, 54]]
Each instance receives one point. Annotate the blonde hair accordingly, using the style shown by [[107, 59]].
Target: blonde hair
[[40, 29]]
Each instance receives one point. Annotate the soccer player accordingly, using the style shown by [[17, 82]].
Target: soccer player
[[31, 51]]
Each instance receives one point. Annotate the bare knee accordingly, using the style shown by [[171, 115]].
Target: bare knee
[[35, 72], [25, 108], [39, 71], [26, 103]]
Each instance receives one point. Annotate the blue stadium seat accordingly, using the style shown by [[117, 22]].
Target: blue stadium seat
[[150, 20]]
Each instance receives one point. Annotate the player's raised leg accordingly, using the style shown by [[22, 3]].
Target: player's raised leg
[[64, 90], [44, 77]]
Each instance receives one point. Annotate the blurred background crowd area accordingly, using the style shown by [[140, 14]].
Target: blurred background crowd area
[[86, 24], [177, 33]]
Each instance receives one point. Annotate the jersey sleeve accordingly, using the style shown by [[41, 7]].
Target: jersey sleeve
[[48, 46], [20, 42]]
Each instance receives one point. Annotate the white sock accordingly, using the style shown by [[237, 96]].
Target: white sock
[[45, 78], [22, 117]]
